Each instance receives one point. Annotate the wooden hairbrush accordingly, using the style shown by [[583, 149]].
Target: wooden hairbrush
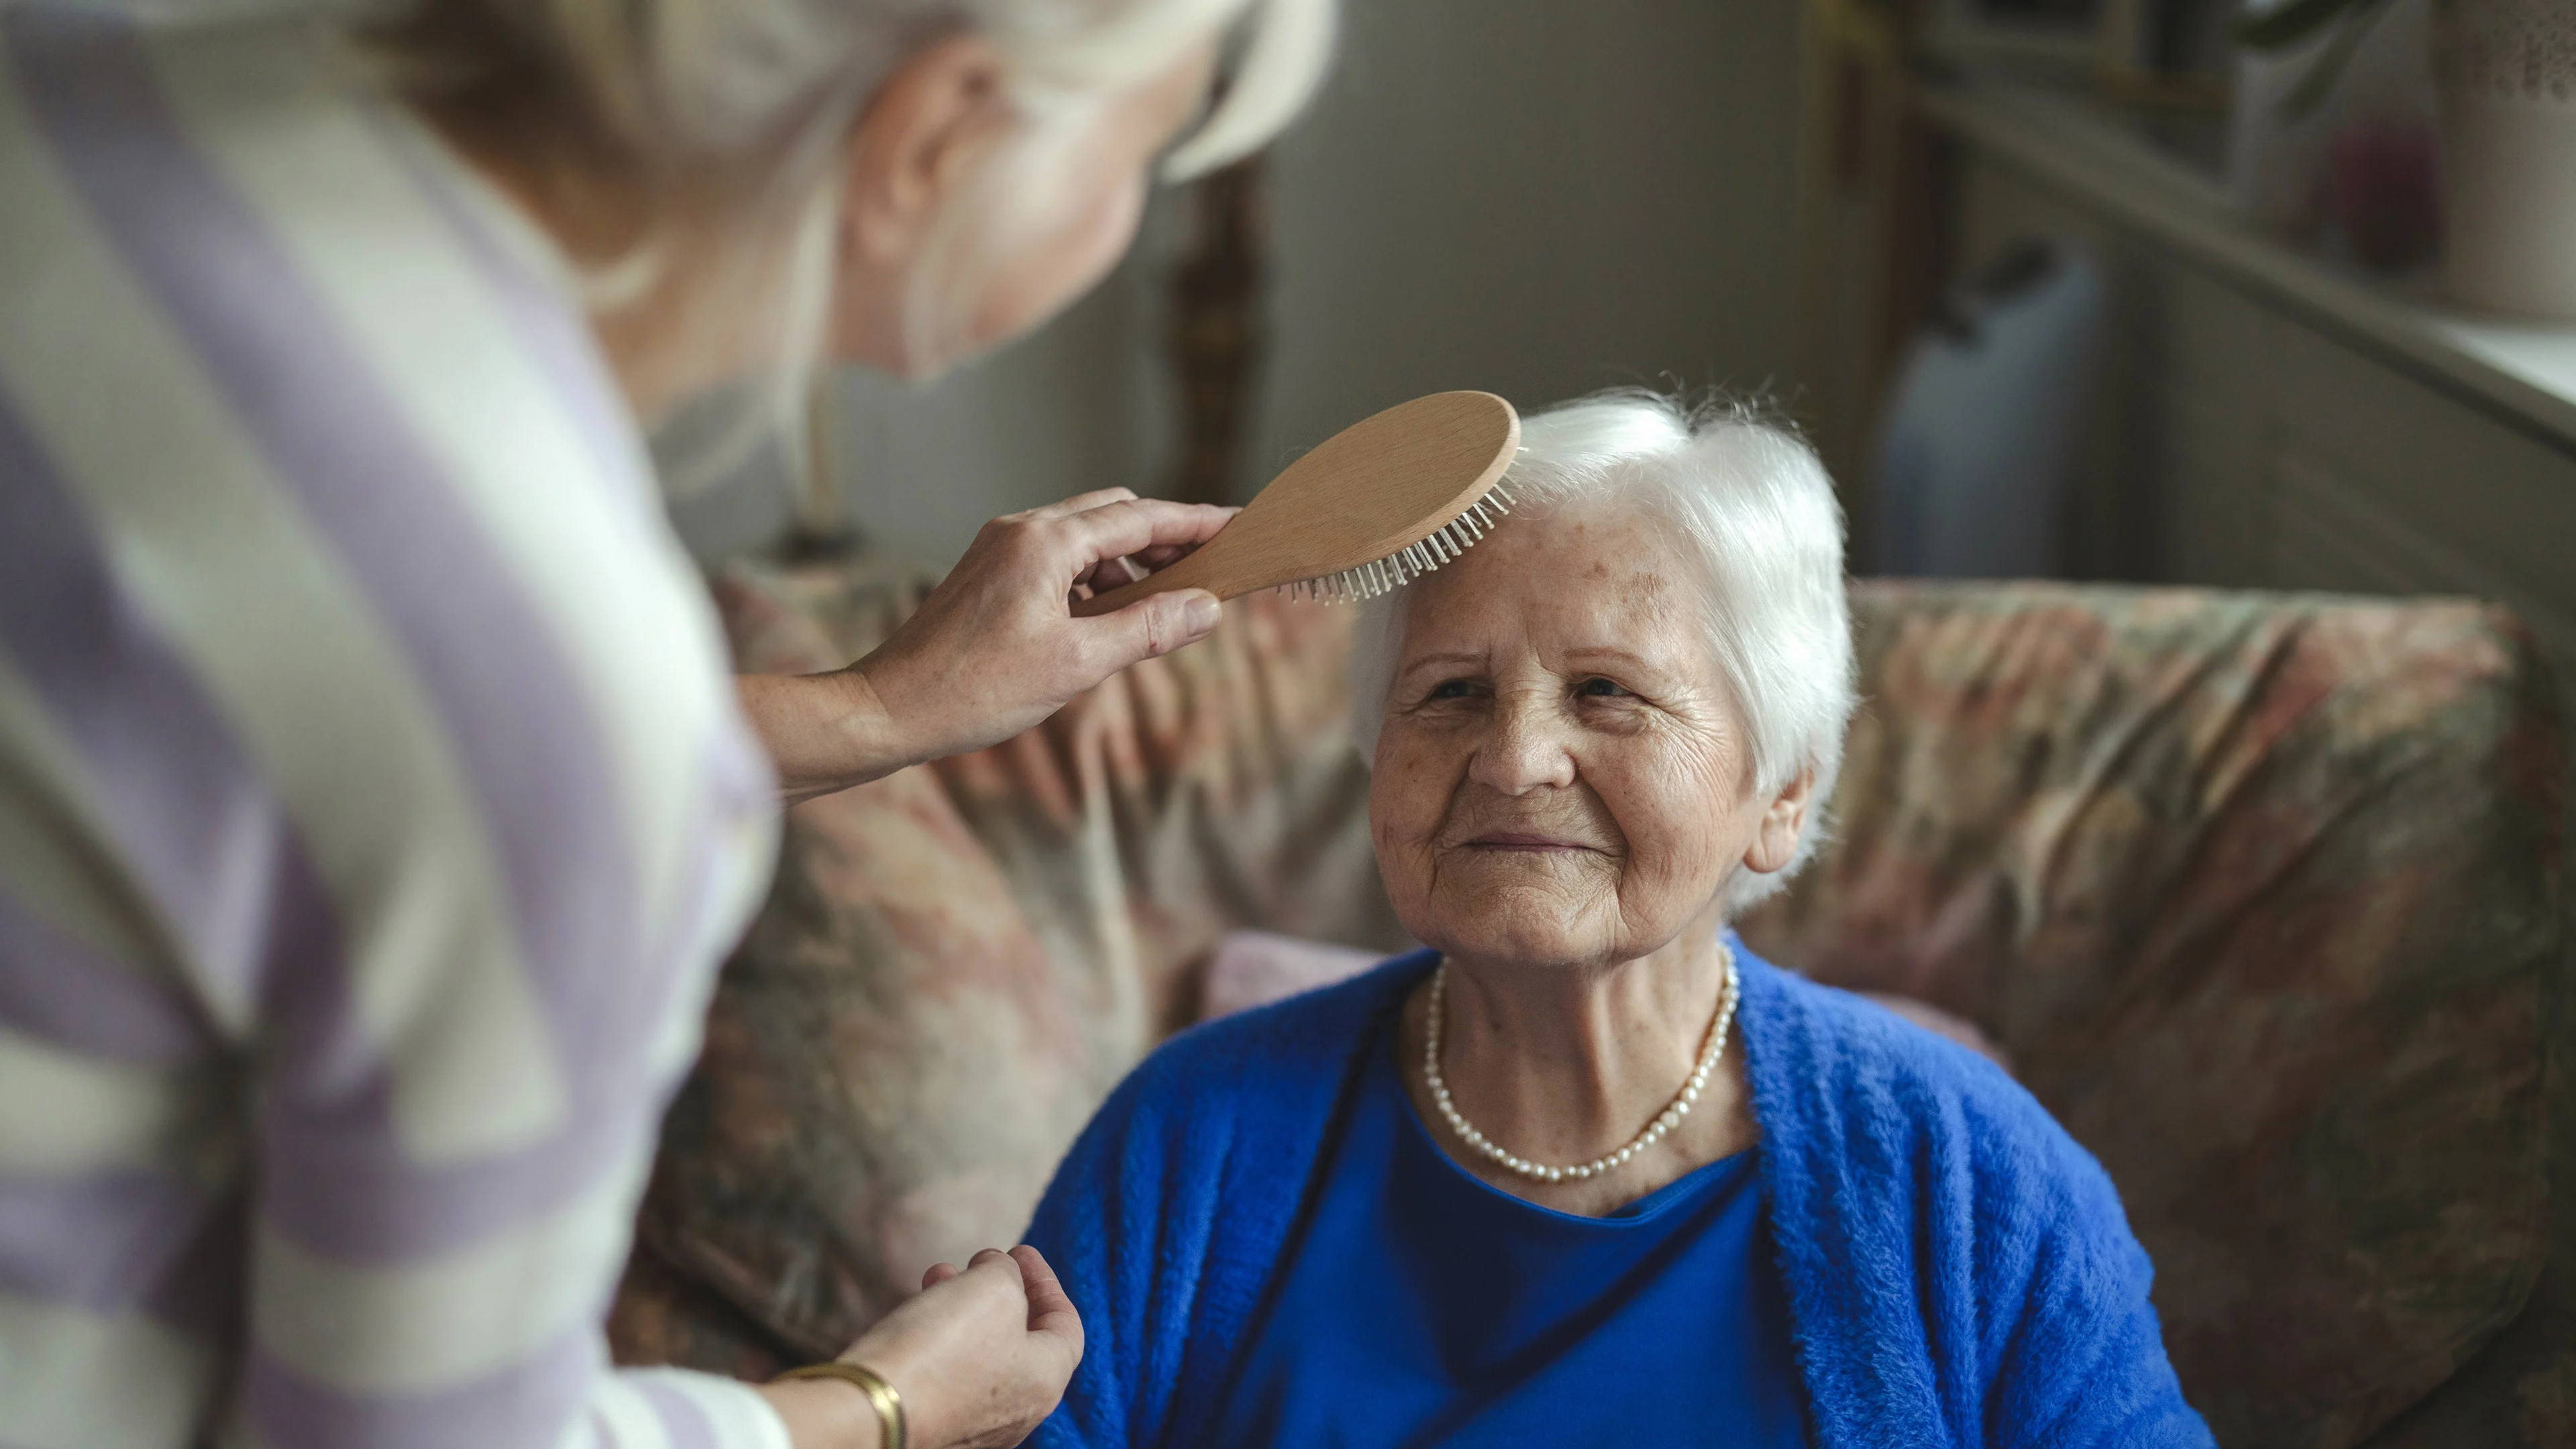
[[1374, 506]]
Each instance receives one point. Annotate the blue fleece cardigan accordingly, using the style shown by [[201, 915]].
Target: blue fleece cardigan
[[1959, 1271]]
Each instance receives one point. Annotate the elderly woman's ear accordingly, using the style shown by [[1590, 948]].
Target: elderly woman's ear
[[1775, 844]]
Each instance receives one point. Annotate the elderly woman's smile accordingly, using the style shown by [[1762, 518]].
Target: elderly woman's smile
[[1561, 776]]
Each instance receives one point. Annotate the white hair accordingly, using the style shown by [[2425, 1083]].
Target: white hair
[[755, 96], [1750, 500]]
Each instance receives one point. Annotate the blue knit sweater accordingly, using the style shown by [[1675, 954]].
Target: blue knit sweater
[[1959, 1270]]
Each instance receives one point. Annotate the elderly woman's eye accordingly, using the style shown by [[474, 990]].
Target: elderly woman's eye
[[1599, 689], [1450, 689]]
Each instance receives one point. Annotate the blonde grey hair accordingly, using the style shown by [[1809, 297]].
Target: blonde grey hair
[[1749, 499], [725, 80], [739, 106]]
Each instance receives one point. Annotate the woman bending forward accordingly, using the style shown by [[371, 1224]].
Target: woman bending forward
[[375, 808], [1586, 1171]]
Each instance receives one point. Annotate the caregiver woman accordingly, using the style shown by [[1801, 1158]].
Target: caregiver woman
[[374, 808]]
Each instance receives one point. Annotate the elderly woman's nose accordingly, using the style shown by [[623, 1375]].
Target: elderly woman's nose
[[1527, 747]]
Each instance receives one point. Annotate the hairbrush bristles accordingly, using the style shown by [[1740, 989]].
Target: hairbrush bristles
[[1384, 576]]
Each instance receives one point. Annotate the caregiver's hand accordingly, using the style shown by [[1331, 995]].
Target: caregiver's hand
[[979, 1358], [995, 648]]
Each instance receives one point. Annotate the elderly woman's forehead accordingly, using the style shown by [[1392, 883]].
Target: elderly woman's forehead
[[1581, 551], [1599, 578]]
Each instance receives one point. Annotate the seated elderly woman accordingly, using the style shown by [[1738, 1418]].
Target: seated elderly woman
[[1585, 1171]]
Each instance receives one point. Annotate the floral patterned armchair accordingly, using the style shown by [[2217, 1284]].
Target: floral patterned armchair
[[2259, 894]]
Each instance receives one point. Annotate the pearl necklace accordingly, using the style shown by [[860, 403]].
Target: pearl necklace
[[1664, 1121]]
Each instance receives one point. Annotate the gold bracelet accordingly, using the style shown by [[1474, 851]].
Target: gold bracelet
[[881, 1395]]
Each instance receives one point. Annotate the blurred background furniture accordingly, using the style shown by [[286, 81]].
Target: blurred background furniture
[[2260, 894], [2271, 411], [1978, 451]]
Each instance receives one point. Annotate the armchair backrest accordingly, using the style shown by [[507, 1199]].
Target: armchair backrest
[[2260, 893]]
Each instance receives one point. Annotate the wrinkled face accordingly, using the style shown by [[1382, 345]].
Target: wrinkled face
[[1562, 777]]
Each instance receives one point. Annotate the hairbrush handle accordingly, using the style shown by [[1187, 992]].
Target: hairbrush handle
[[1389, 498], [1193, 570]]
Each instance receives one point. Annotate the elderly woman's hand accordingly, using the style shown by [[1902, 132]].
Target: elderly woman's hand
[[995, 648]]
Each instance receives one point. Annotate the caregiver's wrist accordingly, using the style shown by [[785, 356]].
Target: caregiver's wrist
[[930, 1387], [824, 1414], [902, 706], [825, 732]]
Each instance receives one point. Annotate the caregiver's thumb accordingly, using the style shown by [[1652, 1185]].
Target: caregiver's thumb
[[1157, 625]]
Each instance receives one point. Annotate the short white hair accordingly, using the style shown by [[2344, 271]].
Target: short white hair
[[1750, 500]]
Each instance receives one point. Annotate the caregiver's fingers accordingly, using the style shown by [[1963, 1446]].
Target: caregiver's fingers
[[1113, 573], [1146, 629], [1164, 555], [936, 1274], [971, 1369], [1130, 527], [1125, 569], [1078, 503], [995, 648], [1051, 1309]]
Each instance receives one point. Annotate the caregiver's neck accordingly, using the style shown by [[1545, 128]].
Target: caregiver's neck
[[681, 309], [1563, 1063]]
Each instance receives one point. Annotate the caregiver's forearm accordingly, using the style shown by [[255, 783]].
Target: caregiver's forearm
[[824, 1414], [823, 732], [993, 650]]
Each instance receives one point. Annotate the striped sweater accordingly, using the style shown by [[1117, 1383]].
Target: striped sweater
[[373, 805]]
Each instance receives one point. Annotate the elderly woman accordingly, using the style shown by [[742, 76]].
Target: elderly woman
[[1585, 1171]]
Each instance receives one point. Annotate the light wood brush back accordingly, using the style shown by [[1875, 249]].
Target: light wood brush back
[[1382, 501]]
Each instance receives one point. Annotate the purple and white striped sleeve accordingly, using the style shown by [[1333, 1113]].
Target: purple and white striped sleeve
[[440, 818]]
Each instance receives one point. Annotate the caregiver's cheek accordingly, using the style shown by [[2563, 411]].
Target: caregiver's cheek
[[1064, 266]]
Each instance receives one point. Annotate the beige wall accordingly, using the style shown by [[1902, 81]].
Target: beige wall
[[1537, 197]]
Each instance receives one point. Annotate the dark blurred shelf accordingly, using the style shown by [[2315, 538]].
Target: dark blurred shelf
[[2160, 171]]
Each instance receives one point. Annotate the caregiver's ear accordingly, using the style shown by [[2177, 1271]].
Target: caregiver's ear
[[1775, 844], [918, 140]]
